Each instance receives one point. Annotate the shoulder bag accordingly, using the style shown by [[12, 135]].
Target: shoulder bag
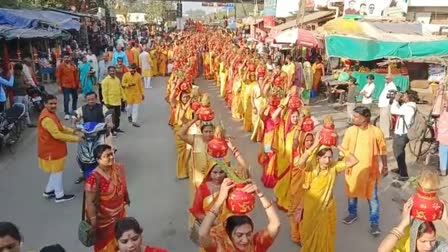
[[86, 233]]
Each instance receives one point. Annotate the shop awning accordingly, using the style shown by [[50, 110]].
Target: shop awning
[[300, 36], [287, 37], [366, 41], [27, 18], [9, 32], [306, 19], [364, 49]]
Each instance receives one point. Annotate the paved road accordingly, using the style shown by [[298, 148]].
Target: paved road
[[159, 201]]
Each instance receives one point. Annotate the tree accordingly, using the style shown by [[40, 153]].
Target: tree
[[153, 9], [196, 14]]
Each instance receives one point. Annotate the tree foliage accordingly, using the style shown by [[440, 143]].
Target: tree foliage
[[196, 13], [153, 9]]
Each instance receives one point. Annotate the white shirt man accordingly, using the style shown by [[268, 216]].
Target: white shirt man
[[384, 105], [367, 91], [27, 73], [407, 115], [102, 67], [145, 64], [93, 62]]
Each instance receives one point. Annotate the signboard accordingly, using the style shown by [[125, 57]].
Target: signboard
[[428, 3], [227, 5], [286, 8], [376, 8], [269, 7], [136, 17], [269, 12]]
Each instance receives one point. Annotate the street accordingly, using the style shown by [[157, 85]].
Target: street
[[158, 200]]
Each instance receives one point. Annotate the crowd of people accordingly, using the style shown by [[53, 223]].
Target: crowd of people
[[264, 92], [296, 164]]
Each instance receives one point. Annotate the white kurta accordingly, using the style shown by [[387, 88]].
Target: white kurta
[[145, 64]]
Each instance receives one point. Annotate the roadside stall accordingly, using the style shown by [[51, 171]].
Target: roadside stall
[[380, 48], [33, 33]]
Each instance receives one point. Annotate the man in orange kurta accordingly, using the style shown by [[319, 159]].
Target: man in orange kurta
[[368, 145], [52, 148]]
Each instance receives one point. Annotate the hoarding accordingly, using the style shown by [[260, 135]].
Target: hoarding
[[376, 8], [286, 8], [428, 3], [269, 12]]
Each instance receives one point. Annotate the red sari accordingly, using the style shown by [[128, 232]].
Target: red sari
[[267, 156], [154, 249], [112, 200], [261, 241]]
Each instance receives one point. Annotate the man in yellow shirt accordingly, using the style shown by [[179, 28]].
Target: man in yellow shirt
[[368, 144], [136, 53], [133, 93], [112, 94]]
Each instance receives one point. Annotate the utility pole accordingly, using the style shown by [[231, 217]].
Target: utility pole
[[301, 13]]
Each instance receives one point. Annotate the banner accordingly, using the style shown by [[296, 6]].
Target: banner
[[269, 7], [286, 8], [269, 12], [376, 8]]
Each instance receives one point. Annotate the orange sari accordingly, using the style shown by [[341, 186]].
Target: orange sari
[[112, 200], [296, 192], [204, 199], [261, 241]]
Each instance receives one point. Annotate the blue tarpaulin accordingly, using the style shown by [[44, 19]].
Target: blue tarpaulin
[[9, 32], [25, 18]]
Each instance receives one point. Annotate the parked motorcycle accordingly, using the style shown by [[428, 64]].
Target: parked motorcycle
[[36, 97], [94, 134], [12, 123]]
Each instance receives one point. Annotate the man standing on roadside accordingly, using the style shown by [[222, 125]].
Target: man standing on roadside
[[67, 77], [384, 105], [19, 89], [367, 92], [112, 95], [145, 64], [406, 112], [52, 148], [133, 93], [368, 145], [103, 72]]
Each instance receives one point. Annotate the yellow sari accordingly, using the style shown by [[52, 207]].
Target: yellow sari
[[236, 98], [163, 62], [223, 80], [246, 93], [318, 226], [296, 190], [257, 123], [154, 71], [183, 154], [285, 163]]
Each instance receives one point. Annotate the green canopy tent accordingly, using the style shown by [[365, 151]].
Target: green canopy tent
[[368, 40]]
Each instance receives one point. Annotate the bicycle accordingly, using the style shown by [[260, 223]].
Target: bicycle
[[427, 143]]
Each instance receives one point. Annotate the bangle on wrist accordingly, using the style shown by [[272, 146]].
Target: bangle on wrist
[[260, 195]]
